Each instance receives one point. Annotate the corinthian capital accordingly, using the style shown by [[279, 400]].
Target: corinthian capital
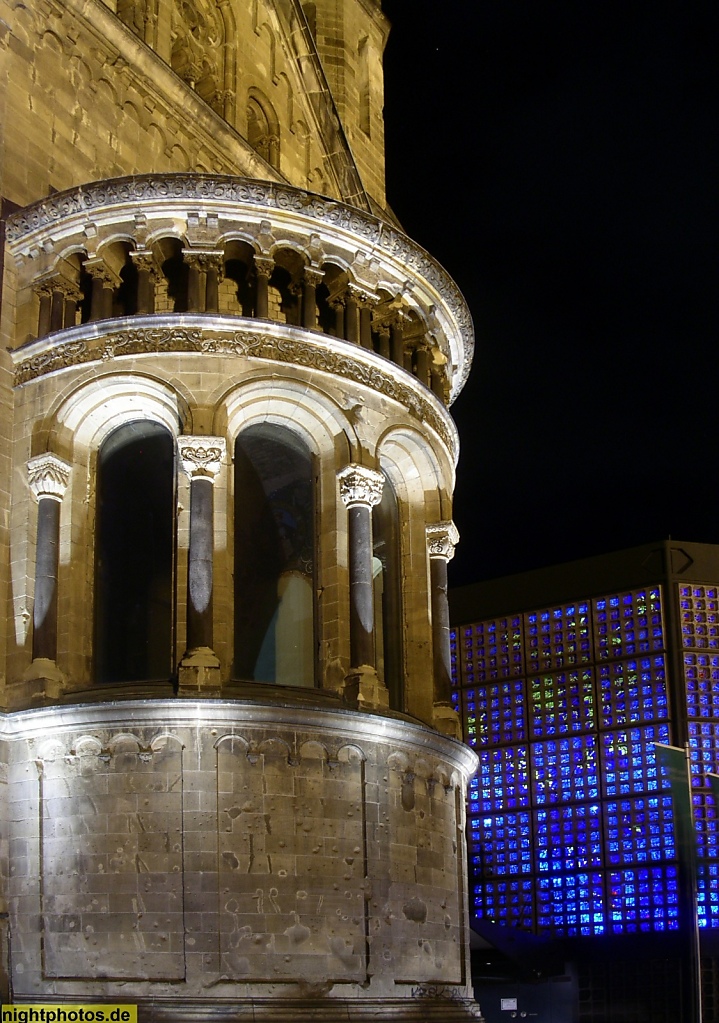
[[360, 485], [201, 457], [442, 538], [48, 476]]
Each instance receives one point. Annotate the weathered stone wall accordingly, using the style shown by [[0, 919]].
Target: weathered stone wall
[[233, 846]]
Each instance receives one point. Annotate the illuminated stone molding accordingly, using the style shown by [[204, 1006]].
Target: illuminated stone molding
[[360, 485], [48, 476], [220, 336], [442, 538], [202, 457]]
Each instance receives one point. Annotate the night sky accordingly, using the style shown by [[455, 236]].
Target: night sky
[[560, 160]]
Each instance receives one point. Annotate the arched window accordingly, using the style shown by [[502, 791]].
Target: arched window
[[263, 130], [134, 551], [388, 594], [274, 558]]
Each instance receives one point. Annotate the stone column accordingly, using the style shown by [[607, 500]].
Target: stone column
[[43, 290], [201, 459], [337, 304], [103, 285], [214, 272], [73, 298], [195, 281], [263, 272], [422, 360], [311, 278], [48, 477], [147, 275], [352, 297], [365, 303], [360, 490], [384, 344], [442, 537], [397, 341]]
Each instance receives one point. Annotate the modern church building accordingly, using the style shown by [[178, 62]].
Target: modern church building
[[231, 780], [565, 678]]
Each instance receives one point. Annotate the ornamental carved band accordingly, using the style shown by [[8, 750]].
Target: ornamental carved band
[[48, 476], [201, 457], [360, 485], [442, 538]]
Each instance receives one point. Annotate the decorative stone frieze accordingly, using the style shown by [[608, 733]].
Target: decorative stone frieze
[[48, 476]]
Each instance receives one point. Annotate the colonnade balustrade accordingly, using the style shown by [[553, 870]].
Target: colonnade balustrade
[[309, 298]]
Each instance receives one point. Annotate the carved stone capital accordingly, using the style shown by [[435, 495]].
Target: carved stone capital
[[264, 266], [99, 270], [360, 485], [144, 260], [442, 538], [48, 476], [313, 275], [202, 457], [204, 259]]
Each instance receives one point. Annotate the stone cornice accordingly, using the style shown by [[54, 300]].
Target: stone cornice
[[403, 734], [233, 197], [105, 340]]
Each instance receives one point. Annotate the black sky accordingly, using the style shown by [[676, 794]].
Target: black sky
[[560, 160]]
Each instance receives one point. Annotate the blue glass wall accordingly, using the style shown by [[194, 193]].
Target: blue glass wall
[[570, 817]]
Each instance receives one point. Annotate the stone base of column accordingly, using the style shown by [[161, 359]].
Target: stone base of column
[[364, 690], [446, 720], [199, 673], [43, 680]]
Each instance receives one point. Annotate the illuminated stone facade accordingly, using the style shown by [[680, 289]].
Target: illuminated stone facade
[[231, 776]]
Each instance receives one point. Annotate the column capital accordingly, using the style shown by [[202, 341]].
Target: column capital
[[264, 265], [204, 259], [99, 270], [48, 476], [201, 457], [313, 275], [360, 485], [442, 538], [145, 260]]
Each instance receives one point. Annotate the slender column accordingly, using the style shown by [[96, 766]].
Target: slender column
[[263, 272], [43, 290], [442, 537], [422, 364], [57, 307], [337, 303], [311, 278], [352, 314], [48, 477], [397, 341], [365, 303], [438, 387], [103, 284], [360, 490], [201, 459], [73, 297], [214, 272], [195, 281], [147, 275], [384, 345]]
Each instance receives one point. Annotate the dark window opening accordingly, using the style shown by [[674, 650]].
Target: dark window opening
[[274, 558], [134, 555]]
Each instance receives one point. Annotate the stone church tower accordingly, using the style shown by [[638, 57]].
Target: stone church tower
[[230, 780]]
